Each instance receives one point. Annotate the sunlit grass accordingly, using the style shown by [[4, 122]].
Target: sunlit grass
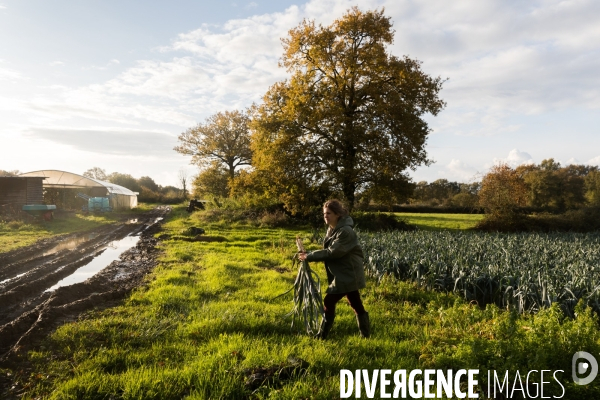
[[434, 221], [207, 318]]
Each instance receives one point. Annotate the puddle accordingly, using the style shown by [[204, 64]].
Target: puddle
[[10, 279], [121, 273], [111, 253], [69, 244]]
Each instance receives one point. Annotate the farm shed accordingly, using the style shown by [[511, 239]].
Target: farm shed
[[16, 191], [67, 185]]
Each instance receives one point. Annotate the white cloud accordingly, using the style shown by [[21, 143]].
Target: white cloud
[[515, 158], [96, 103], [10, 74], [110, 140], [176, 79], [594, 161], [108, 65], [502, 58], [57, 64], [458, 170]]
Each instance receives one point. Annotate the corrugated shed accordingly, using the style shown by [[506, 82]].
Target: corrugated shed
[[16, 191]]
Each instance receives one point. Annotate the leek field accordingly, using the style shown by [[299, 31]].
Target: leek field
[[208, 325], [524, 272]]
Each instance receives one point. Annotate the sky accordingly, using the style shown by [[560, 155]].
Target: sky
[[111, 84]]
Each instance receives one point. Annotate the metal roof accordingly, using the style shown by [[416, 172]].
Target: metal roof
[[22, 177], [63, 179]]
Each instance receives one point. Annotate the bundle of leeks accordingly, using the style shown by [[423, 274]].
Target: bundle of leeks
[[308, 303]]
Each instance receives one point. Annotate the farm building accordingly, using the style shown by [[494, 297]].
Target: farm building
[[16, 191], [61, 188]]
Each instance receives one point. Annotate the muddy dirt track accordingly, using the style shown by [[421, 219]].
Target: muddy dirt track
[[36, 289]]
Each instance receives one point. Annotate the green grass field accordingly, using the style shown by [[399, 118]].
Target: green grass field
[[207, 320], [433, 221]]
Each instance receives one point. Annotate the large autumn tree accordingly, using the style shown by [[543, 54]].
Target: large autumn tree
[[503, 193], [350, 117], [223, 138]]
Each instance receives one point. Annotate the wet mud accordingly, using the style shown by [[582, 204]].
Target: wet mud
[[39, 289]]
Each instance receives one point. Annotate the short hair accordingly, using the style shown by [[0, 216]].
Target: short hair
[[336, 207]]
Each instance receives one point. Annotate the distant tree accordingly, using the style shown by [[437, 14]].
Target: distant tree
[[169, 189], [9, 173], [421, 193], [592, 186], [551, 186], [444, 192], [183, 180], [503, 192], [350, 117], [211, 181], [124, 180], [380, 194], [147, 182], [464, 199], [544, 184], [96, 173], [572, 186], [470, 188], [223, 138]]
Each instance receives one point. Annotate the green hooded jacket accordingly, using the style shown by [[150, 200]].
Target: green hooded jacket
[[343, 258]]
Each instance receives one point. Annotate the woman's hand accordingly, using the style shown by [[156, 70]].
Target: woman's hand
[[302, 256]]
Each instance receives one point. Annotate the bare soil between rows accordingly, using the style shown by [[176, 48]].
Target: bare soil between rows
[[28, 312]]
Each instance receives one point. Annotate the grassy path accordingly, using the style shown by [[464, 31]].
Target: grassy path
[[206, 324]]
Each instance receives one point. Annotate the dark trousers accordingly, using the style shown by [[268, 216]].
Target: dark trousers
[[354, 300]]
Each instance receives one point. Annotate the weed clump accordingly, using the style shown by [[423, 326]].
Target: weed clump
[[15, 224]]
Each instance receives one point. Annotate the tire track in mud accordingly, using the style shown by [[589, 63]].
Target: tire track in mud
[[28, 311]]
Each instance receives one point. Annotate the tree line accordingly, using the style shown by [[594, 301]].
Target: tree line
[[444, 193], [547, 187], [148, 190], [544, 187]]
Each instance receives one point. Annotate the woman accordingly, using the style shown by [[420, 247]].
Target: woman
[[343, 259]]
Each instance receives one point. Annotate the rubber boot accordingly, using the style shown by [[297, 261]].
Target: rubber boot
[[364, 325], [326, 325]]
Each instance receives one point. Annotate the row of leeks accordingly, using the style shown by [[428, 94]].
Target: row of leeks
[[525, 271]]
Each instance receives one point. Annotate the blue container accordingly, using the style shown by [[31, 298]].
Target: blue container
[[40, 210], [98, 204], [39, 207]]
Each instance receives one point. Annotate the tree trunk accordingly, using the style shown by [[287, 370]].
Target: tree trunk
[[349, 180], [348, 189]]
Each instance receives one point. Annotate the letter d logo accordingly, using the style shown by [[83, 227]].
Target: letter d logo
[[582, 368]]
